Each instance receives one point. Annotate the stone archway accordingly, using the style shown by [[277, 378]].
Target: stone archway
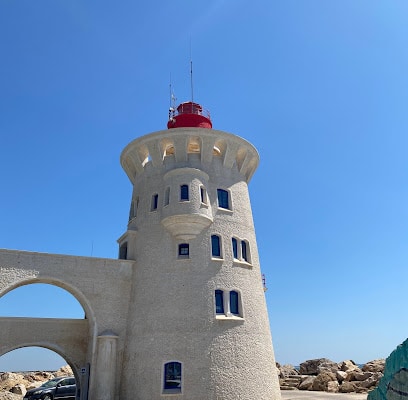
[[36, 376], [71, 338]]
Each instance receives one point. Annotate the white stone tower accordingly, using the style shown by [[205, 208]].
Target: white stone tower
[[198, 325]]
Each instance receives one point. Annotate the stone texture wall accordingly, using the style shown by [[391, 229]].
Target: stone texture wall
[[172, 312], [102, 286]]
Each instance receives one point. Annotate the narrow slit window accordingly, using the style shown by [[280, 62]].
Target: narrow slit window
[[244, 251], [215, 246], [235, 248], [203, 195], [167, 196], [223, 199], [155, 202], [234, 302], [123, 251], [219, 302], [184, 193]]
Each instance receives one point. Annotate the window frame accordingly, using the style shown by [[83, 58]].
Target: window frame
[[182, 246], [233, 294], [166, 200], [235, 249], [155, 202], [219, 295], [228, 304], [203, 195], [166, 389], [219, 245], [221, 194], [184, 193]]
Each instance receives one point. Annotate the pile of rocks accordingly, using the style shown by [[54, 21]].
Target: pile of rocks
[[15, 385], [325, 375]]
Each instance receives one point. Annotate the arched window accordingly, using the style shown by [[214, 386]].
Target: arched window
[[244, 250], [215, 246], [234, 302], [219, 302], [235, 247], [172, 377], [184, 193], [223, 199]]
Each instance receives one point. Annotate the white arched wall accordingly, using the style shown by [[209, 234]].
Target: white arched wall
[[101, 286]]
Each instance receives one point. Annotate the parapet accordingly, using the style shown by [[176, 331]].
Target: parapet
[[180, 143]]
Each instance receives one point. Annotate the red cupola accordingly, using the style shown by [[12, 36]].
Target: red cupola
[[189, 115]]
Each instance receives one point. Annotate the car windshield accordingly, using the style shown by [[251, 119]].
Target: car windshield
[[51, 383]]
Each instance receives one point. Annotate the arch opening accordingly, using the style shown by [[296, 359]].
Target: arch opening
[[34, 367]]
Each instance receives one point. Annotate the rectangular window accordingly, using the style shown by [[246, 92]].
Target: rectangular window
[[167, 196], [155, 202], [215, 246], [235, 248], [234, 302], [223, 199], [172, 377], [244, 251], [184, 193], [203, 195], [184, 250], [133, 208], [219, 302]]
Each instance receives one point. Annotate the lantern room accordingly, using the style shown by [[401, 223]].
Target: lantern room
[[189, 115]]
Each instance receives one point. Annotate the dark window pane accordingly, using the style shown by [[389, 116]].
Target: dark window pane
[[215, 246], [123, 251], [184, 192], [244, 251], [223, 200], [219, 302], [155, 201], [235, 247], [172, 375], [234, 303], [184, 249]]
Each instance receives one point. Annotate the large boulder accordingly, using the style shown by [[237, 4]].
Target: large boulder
[[311, 367], [64, 371], [347, 387], [332, 386], [307, 382], [341, 375], [9, 396], [375, 366], [347, 365], [327, 366], [19, 389], [321, 383], [287, 370]]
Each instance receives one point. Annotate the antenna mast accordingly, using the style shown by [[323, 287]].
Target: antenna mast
[[191, 73], [172, 106]]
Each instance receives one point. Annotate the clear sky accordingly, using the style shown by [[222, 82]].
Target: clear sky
[[319, 87]]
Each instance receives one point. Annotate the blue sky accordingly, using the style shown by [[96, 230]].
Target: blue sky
[[319, 87]]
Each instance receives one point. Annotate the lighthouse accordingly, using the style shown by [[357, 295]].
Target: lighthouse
[[197, 323]]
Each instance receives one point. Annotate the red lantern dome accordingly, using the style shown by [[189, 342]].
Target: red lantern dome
[[189, 115]]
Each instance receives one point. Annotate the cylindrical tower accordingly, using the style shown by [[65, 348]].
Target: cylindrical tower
[[198, 325]]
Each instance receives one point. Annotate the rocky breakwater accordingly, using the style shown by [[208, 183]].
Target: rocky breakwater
[[328, 376], [14, 385]]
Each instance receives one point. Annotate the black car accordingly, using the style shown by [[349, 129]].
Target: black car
[[58, 388]]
